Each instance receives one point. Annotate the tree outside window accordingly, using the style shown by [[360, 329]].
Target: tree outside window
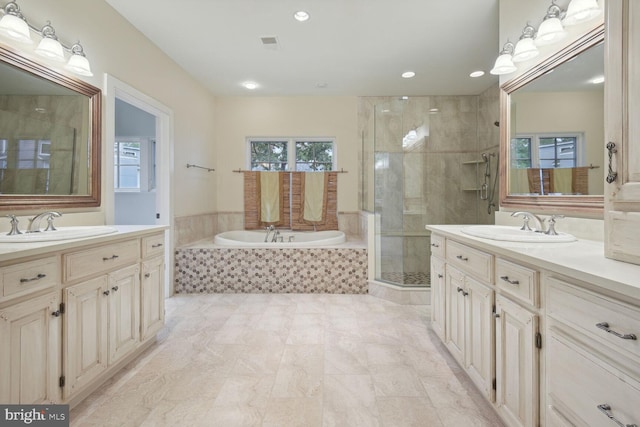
[[307, 155]]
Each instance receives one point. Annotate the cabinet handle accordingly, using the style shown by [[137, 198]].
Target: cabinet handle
[[612, 175], [606, 409], [147, 275], [440, 276], [435, 245], [513, 282], [462, 258], [157, 245], [459, 289], [106, 293], [110, 258], [114, 289], [38, 277], [56, 313], [605, 327]]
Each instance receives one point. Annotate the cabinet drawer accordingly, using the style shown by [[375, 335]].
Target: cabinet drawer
[[90, 262], [437, 245], [581, 387], [26, 277], [601, 317], [153, 245], [518, 281], [472, 261]]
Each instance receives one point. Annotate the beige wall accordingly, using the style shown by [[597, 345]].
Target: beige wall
[[567, 112], [318, 116], [113, 46]]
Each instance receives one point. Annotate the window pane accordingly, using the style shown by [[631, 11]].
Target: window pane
[[314, 156], [520, 153], [129, 176]]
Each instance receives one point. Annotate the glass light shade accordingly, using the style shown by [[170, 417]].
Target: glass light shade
[[525, 50], [503, 65], [15, 28], [580, 11], [549, 32], [79, 65], [50, 48]]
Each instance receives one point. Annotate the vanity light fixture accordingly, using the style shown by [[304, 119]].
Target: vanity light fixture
[[478, 73], [14, 25], [525, 48], [504, 63], [551, 30], [49, 46], [580, 11], [408, 74]]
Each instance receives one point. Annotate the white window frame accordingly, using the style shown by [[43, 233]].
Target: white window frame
[[146, 165], [535, 145], [291, 149]]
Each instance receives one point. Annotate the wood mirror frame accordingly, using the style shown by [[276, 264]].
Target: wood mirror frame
[[94, 95], [592, 206]]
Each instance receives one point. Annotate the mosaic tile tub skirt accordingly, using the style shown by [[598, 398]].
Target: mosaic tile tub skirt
[[249, 270]]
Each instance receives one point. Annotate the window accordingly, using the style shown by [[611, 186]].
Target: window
[[134, 164], [295, 154], [546, 151]]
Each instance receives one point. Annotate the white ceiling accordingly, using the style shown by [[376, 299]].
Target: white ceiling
[[354, 47]]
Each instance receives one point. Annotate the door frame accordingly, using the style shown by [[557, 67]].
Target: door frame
[[115, 88]]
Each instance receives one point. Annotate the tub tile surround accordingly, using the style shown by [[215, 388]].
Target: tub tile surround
[[206, 268], [240, 360]]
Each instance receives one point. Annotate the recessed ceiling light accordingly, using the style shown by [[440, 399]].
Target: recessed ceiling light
[[598, 80], [321, 85], [408, 74], [250, 85], [301, 16], [434, 110], [404, 98], [478, 73]]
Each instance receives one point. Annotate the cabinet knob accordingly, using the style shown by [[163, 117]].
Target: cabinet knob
[[114, 289], [147, 275], [106, 293], [440, 276], [56, 313]]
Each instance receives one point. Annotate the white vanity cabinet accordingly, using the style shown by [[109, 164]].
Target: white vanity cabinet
[[622, 122], [73, 315]]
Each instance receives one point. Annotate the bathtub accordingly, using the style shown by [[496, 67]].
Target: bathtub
[[299, 239]]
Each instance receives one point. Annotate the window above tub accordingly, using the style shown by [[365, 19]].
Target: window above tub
[[292, 154]]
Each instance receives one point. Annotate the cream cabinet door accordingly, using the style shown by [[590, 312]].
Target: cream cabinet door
[[152, 290], [479, 345], [85, 333], [437, 296], [30, 351], [622, 194], [517, 366], [124, 312], [455, 313]]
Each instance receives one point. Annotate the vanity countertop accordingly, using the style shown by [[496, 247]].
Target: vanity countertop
[[13, 251], [583, 259]]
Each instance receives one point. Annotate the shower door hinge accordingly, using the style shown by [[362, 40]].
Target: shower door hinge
[[61, 308], [157, 216], [61, 381], [493, 384]]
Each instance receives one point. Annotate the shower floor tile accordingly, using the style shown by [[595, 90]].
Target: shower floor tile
[[407, 278]]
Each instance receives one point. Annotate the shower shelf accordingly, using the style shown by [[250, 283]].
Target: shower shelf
[[474, 162], [471, 189]]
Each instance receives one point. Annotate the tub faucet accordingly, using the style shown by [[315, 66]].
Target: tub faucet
[[34, 223], [527, 216], [268, 229]]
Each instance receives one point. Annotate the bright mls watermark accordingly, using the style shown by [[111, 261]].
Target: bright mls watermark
[[34, 415]]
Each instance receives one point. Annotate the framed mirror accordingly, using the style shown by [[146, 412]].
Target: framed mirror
[[50, 131], [552, 132]]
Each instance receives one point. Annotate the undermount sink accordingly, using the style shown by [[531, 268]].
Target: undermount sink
[[61, 233], [515, 234]]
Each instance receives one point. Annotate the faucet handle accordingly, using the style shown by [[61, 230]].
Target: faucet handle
[[14, 225], [552, 225], [50, 217]]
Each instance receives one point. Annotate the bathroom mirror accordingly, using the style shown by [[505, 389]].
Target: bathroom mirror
[[50, 129], [552, 132]]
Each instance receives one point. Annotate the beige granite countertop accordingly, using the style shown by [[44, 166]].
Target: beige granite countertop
[[583, 259], [13, 251]]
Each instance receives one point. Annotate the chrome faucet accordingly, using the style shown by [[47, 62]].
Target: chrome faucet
[[275, 236], [268, 229], [552, 225], [34, 223], [14, 225], [527, 216]]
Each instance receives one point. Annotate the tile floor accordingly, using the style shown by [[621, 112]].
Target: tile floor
[[290, 360]]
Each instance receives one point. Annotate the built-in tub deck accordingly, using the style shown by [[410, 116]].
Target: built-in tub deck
[[204, 267]]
